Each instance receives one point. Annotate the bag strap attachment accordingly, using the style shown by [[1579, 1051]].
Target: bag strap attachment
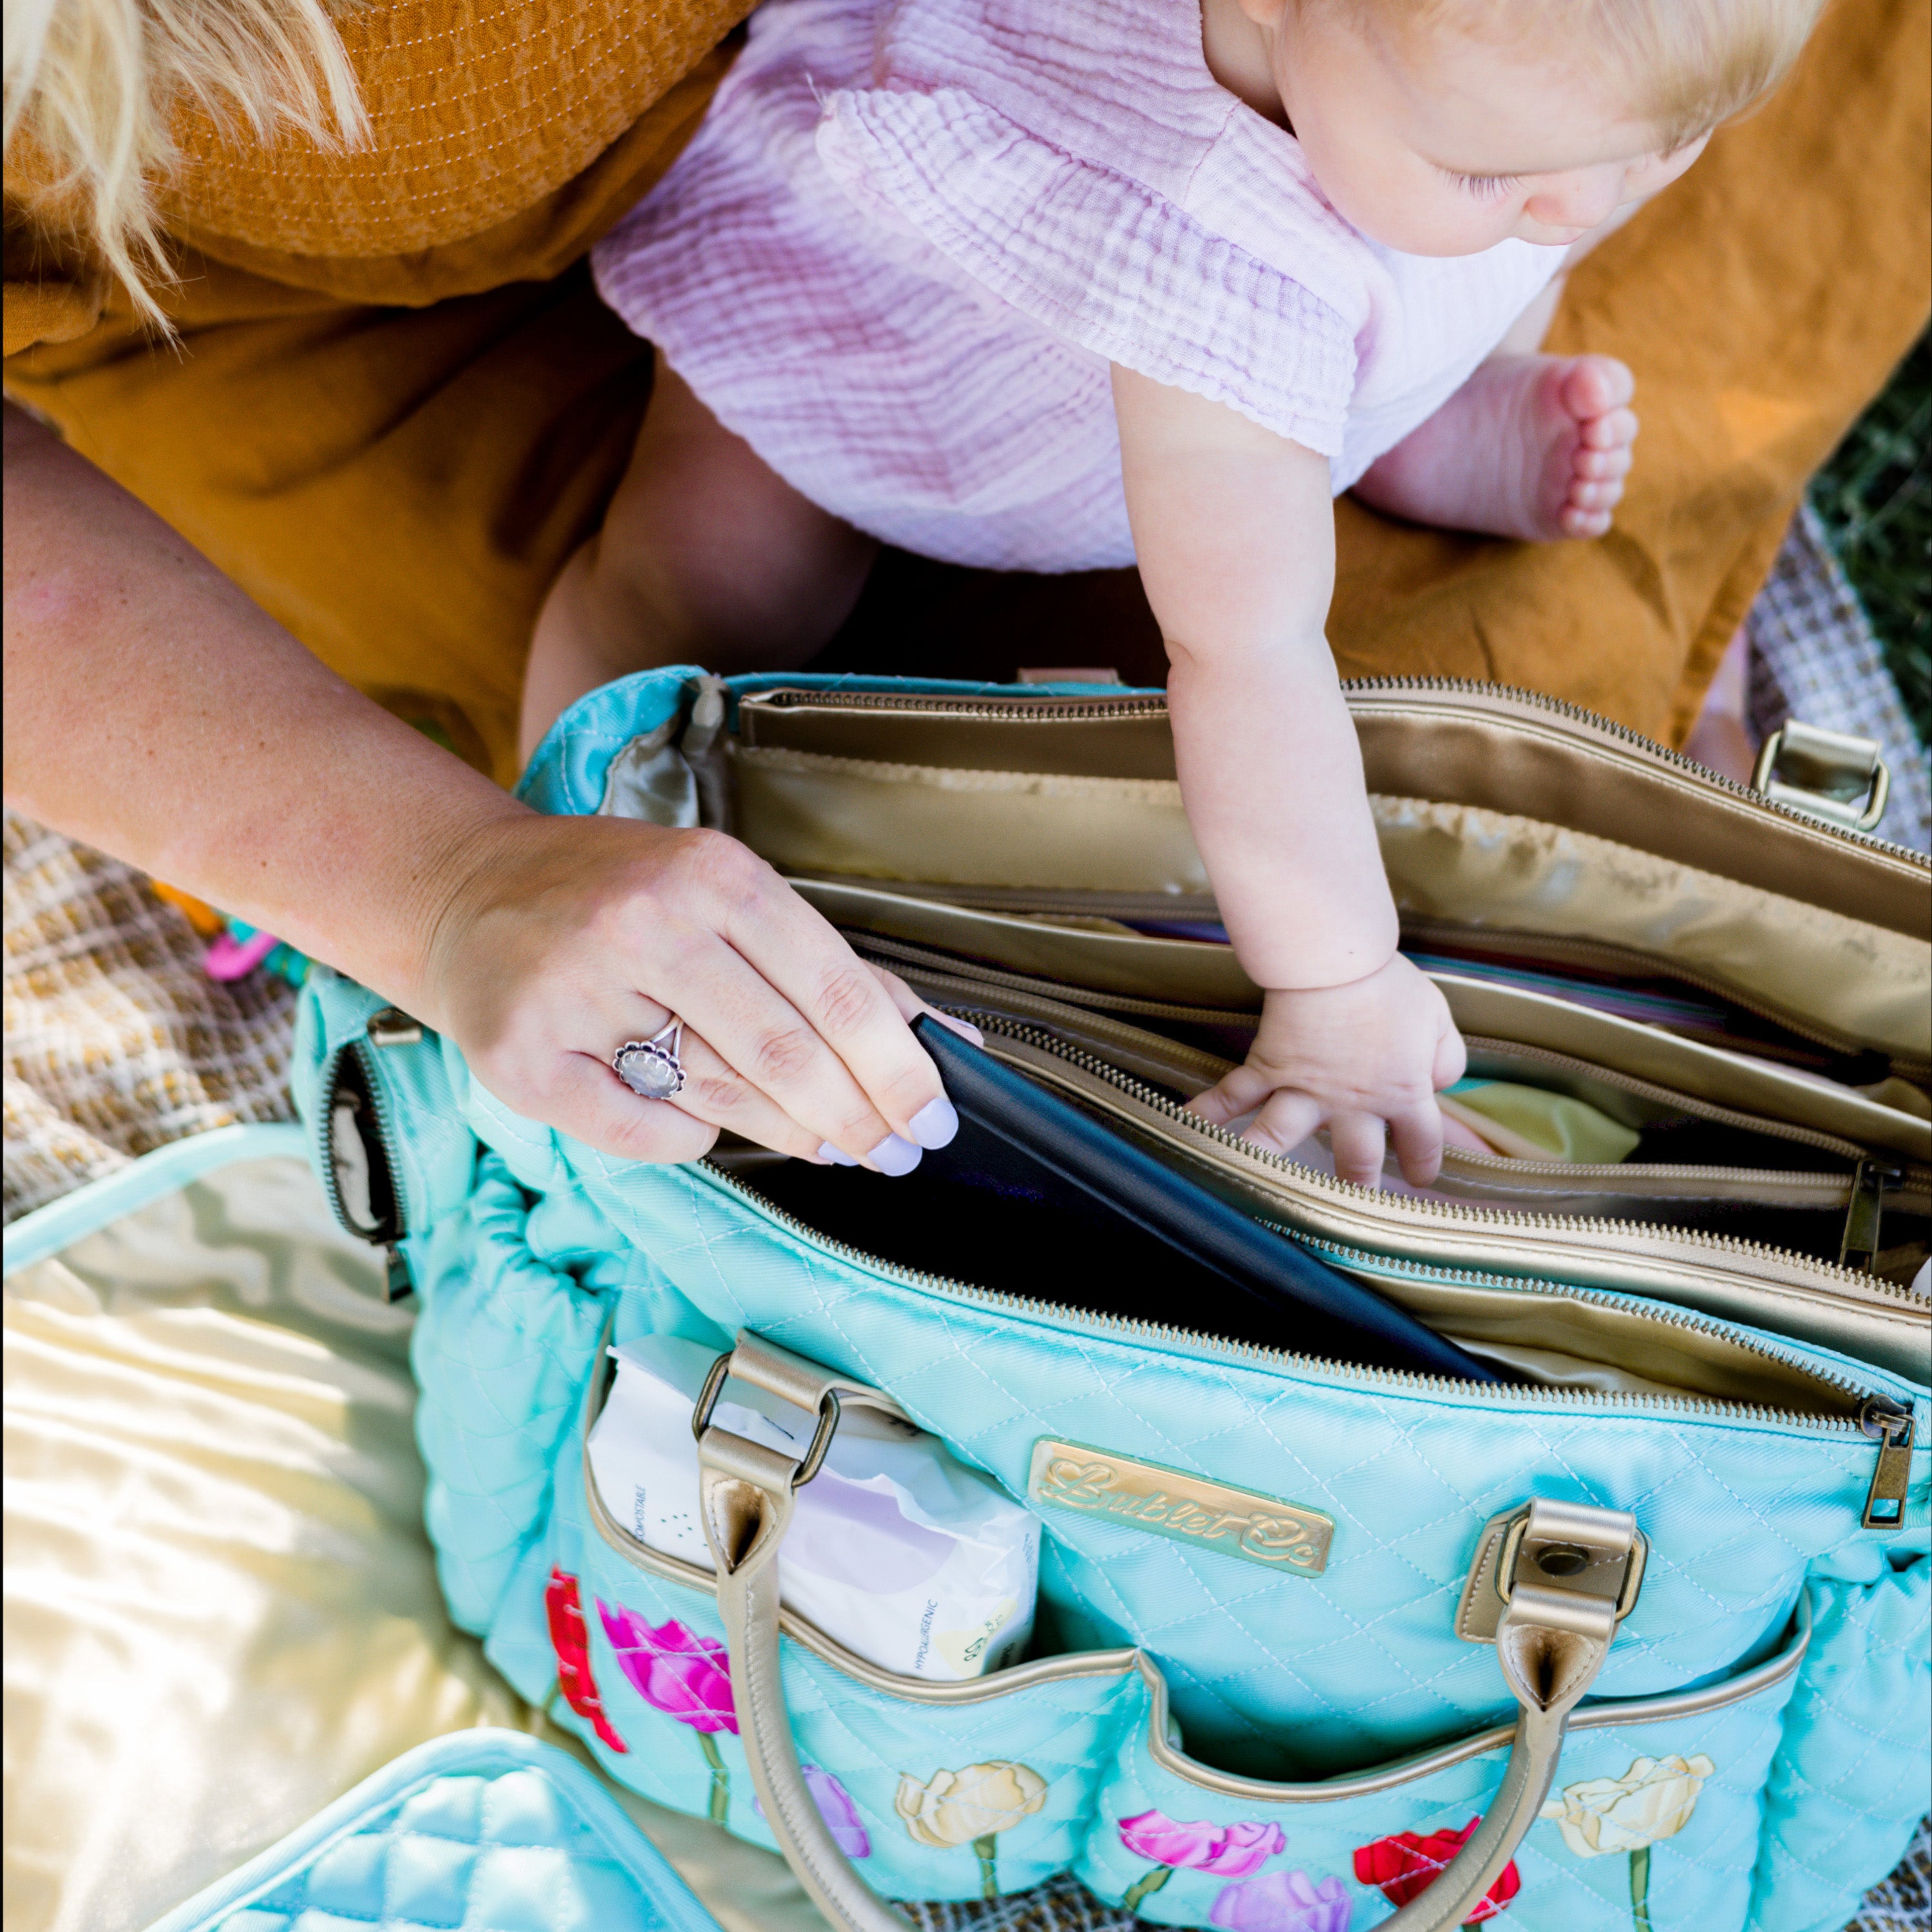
[[746, 1497], [1550, 1585]]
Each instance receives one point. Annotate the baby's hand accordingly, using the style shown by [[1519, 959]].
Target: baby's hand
[[1367, 1058]]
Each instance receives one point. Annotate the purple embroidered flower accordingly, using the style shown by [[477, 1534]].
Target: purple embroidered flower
[[672, 1670], [841, 1815], [1227, 1851], [1283, 1901], [835, 1807]]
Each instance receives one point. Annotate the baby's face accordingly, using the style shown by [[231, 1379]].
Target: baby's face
[[1436, 143]]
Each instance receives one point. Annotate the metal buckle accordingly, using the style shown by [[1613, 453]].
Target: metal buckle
[[1829, 775], [813, 1459], [1573, 1548]]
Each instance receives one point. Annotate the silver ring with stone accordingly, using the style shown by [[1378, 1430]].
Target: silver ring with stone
[[651, 1068]]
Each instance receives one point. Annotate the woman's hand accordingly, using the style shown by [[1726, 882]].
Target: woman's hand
[[1367, 1059], [155, 712], [563, 938]]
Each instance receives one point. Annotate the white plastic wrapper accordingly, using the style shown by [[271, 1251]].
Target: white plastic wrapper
[[897, 1550]]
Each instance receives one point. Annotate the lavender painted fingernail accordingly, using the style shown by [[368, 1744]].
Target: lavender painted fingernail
[[935, 1123], [894, 1157], [838, 1157], [964, 1029]]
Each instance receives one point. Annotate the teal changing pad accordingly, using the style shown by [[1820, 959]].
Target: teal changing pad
[[483, 1831]]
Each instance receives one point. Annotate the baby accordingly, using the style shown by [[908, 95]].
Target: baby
[[1054, 285]]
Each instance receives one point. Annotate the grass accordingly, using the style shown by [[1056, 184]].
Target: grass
[[1875, 496]]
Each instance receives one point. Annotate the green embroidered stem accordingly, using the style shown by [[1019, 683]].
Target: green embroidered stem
[[549, 1702], [1640, 1888], [721, 1779], [1146, 1885], [983, 1849]]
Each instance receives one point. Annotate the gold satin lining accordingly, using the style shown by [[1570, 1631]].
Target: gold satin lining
[[855, 818], [221, 1610], [808, 812], [1476, 868], [1576, 1344]]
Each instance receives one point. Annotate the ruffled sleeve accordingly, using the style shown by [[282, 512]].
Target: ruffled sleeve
[[1097, 256]]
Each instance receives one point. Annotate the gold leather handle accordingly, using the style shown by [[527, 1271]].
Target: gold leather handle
[[1562, 1575]]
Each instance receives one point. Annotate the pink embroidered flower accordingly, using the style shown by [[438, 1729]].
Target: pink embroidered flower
[[1227, 1851], [1283, 1901], [672, 1669]]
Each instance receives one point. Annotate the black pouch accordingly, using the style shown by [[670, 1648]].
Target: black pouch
[[1034, 1198]]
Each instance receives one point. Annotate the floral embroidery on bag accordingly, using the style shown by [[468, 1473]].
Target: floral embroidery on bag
[[570, 1640], [971, 1807], [1282, 1901], [684, 1675], [1654, 1799], [836, 1807], [1404, 1867], [1226, 1851]]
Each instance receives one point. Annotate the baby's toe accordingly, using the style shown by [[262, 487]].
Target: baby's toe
[[1614, 429], [1595, 384], [1580, 523], [1596, 496], [1599, 466]]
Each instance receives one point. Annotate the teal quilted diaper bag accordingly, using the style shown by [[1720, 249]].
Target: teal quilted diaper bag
[[1633, 1639]]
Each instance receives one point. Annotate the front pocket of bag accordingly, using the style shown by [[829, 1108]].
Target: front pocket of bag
[[1653, 1824], [933, 1790]]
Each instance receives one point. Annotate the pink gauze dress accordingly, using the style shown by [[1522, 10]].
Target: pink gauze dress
[[911, 234]]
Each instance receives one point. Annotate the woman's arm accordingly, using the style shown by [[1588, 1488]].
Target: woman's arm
[[153, 711], [1234, 530]]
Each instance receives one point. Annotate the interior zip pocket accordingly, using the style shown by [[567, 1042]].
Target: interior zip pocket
[[1809, 1209], [1725, 1276]]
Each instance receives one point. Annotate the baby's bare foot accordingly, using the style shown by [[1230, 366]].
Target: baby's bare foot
[[1530, 446]]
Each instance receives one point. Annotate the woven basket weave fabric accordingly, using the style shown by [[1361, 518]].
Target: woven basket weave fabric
[[117, 1042]]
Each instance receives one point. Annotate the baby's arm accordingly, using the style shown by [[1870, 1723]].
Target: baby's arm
[[1234, 528]]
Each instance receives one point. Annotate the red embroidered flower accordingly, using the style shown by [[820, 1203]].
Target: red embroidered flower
[[570, 1641], [1404, 1867]]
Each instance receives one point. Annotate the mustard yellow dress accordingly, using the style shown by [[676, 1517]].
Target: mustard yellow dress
[[397, 406]]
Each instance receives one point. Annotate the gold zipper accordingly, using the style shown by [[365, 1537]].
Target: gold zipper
[[1518, 1224], [1058, 709], [1771, 1187], [1880, 1416], [941, 973]]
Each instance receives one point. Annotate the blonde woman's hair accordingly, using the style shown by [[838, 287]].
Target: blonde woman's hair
[[1686, 66], [93, 87]]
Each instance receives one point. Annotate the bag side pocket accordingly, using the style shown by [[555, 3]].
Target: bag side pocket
[[1849, 1784]]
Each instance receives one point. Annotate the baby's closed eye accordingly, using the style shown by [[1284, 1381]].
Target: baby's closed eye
[[1486, 187]]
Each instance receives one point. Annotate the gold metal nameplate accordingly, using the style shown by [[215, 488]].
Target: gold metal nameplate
[[1190, 1509]]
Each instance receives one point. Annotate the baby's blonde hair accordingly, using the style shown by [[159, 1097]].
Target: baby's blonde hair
[[93, 87], [1686, 66]]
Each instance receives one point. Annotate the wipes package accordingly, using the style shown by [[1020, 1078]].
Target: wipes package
[[897, 1550]]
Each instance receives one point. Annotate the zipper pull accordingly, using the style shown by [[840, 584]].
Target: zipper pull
[[1859, 1249], [1890, 1426], [401, 1286]]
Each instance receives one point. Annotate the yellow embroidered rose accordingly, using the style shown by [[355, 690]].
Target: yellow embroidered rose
[[962, 1807], [1654, 1799]]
